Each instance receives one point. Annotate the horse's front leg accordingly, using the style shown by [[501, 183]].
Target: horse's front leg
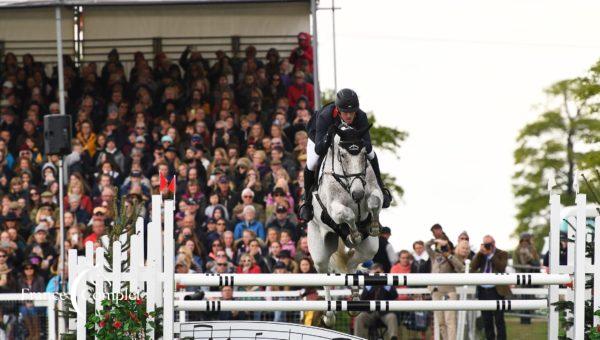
[[329, 317], [374, 204], [362, 253], [344, 214]]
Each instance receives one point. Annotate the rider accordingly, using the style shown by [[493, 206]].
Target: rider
[[321, 129]]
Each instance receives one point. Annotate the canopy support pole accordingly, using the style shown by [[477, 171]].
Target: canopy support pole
[[315, 43]]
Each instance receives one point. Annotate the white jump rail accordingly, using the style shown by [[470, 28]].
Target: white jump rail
[[315, 280], [157, 275], [359, 306], [265, 294]]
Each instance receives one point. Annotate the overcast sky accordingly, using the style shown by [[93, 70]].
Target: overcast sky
[[462, 77]]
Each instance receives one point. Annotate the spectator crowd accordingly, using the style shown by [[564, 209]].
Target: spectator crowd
[[232, 132]]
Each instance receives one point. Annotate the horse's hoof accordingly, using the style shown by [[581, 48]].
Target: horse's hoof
[[353, 314], [355, 294], [329, 319], [375, 228], [350, 242], [353, 240]]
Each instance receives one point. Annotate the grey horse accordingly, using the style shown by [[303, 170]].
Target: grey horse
[[344, 230]]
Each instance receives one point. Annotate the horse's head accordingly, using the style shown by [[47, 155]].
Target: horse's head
[[352, 156]]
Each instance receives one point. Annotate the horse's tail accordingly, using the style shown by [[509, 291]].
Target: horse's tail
[[339, 260]]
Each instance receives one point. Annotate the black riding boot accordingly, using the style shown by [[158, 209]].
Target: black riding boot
[[387, 195], [306, 211]]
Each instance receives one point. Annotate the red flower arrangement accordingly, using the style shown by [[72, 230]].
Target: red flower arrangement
[[122, 319]]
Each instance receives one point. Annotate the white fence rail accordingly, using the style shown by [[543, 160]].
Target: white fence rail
[[317, 280], [359, 306]]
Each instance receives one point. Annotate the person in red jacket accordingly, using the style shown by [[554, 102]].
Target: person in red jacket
[[247, 265], [300, 88], [304, 51], [98, 225]]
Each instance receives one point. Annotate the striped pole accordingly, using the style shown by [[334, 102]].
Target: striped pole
[[359, 306], [454, 279]]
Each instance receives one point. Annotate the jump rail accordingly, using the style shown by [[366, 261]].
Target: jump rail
[[359, 306], [313, 280]]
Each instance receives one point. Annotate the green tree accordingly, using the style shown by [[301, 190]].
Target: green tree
[[562, 140], [382, 137]]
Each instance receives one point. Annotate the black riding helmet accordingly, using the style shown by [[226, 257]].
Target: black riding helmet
[[346, 100]]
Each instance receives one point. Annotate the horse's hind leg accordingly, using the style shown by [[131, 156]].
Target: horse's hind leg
[[329, 317], [321, 249]]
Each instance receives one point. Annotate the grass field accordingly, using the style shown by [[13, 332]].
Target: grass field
[[514, 330], [535, 331]]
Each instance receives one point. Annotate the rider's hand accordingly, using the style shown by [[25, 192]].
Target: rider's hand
[[331, 130]]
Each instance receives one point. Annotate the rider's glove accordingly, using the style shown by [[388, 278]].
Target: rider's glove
[[329, 135]]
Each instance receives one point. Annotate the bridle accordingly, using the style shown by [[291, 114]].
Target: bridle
[[346, 179], [354, 146]]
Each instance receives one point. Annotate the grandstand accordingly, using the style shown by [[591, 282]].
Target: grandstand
[[210, 91]]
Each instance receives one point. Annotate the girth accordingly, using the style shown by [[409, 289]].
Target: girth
[[343, 229]]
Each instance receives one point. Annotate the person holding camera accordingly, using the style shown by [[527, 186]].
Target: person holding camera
[[490, 259], [440, 252], [526, 260]]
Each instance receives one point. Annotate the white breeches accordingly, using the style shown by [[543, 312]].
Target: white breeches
[[312, 159]]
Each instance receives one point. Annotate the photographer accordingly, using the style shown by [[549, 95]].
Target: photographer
[[442, 261], [490, 259], [526, 260]]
